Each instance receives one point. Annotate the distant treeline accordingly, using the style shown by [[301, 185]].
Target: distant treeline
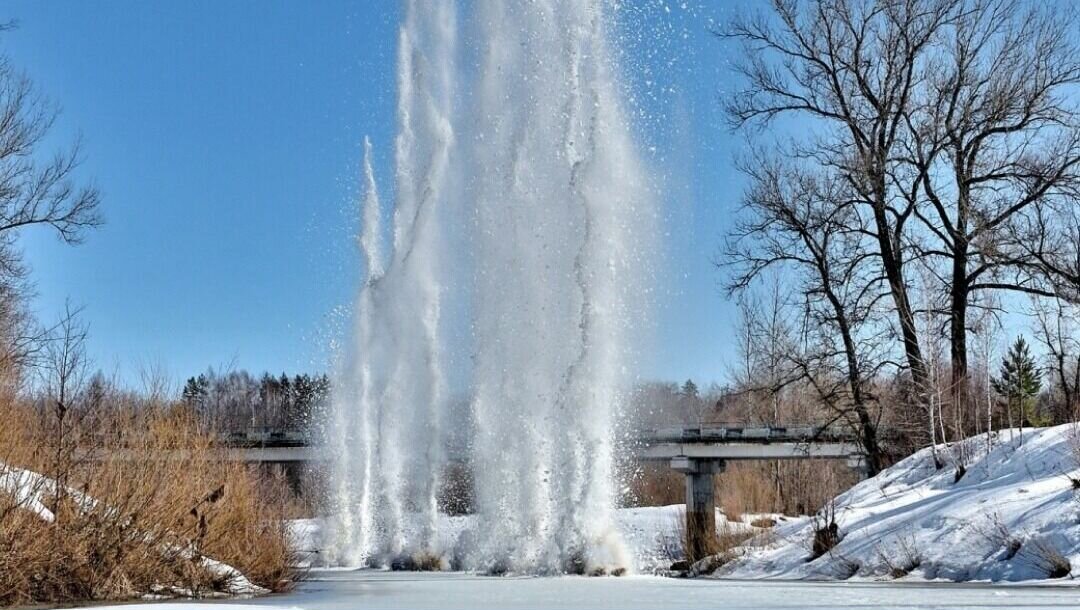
[[237, 400]]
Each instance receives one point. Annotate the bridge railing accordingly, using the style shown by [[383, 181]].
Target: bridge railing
[[263, 436], [788, 433]]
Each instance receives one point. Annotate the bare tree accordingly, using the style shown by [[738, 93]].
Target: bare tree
[[20, 334], [35, 190], [64, 370], [766, 337], [805, 221], [992, 137], [1050, 236], [850, 66], [1057, 330], [952, 125]]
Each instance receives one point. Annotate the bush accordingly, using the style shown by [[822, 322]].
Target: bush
[[719, 550], [902, 557], [1045, 558], [145, 504], [993, 530], [826, 532]]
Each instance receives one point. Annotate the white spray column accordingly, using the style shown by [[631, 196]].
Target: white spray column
[[393, 393], [560, 207], [559, 228]]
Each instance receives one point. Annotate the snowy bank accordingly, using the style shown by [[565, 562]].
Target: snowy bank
[[1014, 515]]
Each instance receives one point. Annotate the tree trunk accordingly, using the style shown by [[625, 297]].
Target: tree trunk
[[959, 295], [867, 430], [892, 262]]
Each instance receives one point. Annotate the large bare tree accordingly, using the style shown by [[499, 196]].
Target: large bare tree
[[952, 125], [37, 189], [803, 221], [993, 139], [849, 68]]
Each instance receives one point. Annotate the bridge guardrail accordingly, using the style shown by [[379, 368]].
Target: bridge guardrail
[[746, 434]]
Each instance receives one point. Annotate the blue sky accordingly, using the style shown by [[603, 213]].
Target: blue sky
[[226, 139]]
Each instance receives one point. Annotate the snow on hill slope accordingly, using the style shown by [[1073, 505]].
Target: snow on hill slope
[[1014, 515]]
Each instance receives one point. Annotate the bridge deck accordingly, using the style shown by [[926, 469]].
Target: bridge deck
[[748, 443], [699, 443]]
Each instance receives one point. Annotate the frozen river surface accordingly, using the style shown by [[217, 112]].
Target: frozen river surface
[[357, 590]]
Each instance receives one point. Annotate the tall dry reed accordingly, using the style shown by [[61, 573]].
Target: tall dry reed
[[146, 504]]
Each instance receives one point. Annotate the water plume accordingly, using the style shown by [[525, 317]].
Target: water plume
[[540, 161]]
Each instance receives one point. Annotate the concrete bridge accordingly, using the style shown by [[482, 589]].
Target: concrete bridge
[[697, 452], [701, 452]]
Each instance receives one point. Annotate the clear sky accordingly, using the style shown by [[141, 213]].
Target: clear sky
[[226, 139]]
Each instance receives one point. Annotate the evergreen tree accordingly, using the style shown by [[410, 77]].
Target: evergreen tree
[[286, 388], [690, 389], [97, 390], [692, 403], [196, 390], [1018, 383]]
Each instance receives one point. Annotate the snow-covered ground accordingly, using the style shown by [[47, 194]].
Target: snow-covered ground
[[374, 590], [652, 535], [1013, 516]]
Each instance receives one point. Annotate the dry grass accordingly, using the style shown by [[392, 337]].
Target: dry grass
[[653, 484], [163, 499], [1046, 558], [719, 550], [792, 488]]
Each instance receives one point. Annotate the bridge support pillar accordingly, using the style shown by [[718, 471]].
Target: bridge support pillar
[[700, 504]]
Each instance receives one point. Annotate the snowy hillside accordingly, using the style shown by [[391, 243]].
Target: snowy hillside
[[1013, 515]]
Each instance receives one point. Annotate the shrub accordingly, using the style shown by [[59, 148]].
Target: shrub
[[902, 557], [719, 550], [419, 562], [993, 530], [1044, 557], [826, 532], [147, 505]]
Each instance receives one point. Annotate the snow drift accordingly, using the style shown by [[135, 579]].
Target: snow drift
[[1013, 515]]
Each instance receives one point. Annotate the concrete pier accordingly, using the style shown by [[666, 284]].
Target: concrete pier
[[701, 452], [700, 504]]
